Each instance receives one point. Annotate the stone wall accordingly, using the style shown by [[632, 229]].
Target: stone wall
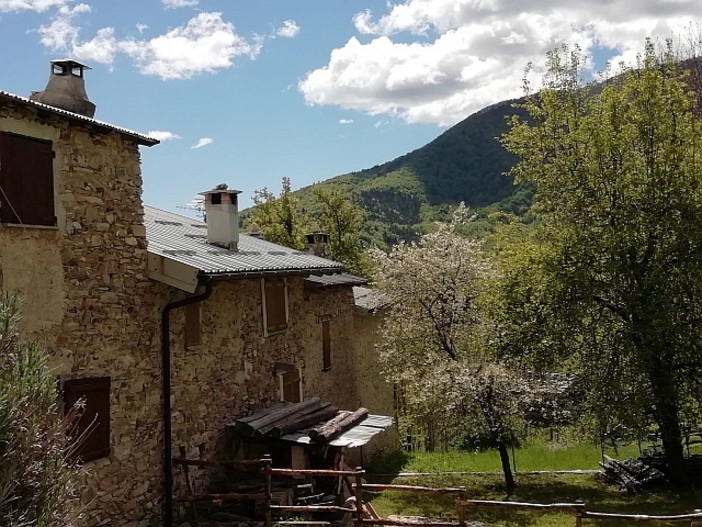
[[86, 296]]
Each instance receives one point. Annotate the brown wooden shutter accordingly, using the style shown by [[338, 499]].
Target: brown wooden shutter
[[96, 415], [26, 180], [291, 386], [192, 325], [276, 315], [326, 346]]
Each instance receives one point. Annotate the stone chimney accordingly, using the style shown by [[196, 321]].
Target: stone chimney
[[222, 216], [66, 88], [317, 241]]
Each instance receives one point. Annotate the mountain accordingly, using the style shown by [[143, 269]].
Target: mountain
[[465, 163]]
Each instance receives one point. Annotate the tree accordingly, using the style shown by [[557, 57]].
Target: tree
[[35, 480], [608, 283], [280, 218], [433, 344], [338, 216]]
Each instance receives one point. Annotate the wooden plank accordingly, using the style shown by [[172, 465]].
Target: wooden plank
[[297, 422], [644, 517], [222, 497], [387, 521], [412, 488], [215, 463], [573, 508], [316, 472], [311, 508]]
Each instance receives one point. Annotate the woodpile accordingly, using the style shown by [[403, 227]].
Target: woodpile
[[632, 475]]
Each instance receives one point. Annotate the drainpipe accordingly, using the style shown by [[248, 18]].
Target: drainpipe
[[166, 378]]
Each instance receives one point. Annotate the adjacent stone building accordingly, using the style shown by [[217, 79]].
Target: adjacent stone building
[[119, 297]]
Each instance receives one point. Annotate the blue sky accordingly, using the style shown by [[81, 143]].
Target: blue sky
[[249, 91]]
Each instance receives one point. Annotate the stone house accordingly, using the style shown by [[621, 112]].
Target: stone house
[[121, 293]]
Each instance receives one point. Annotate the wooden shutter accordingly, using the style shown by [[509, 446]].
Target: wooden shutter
[[326, 346], [96, 415], [291, 382], [275, 302], [26, 180], [192, 325]]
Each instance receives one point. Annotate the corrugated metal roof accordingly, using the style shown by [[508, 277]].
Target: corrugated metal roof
[[184, 240], [329, 280], [370, 299], [359, 435], [139, 138]]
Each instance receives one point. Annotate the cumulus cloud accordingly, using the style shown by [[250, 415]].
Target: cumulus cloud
[[289, 29], [162, 135], [204, 44], [31, 5], [173, 4], [203, 141], [345, 121], [437, 61]]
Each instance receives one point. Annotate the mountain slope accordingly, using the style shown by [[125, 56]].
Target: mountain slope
[[465, 163]]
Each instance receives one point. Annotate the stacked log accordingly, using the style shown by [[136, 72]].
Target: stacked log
[[632, 475], [337, 426]]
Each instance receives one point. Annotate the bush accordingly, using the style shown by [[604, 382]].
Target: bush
[[34, 478]]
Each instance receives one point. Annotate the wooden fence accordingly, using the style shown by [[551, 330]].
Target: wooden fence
[[464, 506]]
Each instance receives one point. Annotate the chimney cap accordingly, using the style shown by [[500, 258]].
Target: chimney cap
[[220, 191], [71, 62]]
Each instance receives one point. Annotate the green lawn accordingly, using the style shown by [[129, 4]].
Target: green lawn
[[535, 488]]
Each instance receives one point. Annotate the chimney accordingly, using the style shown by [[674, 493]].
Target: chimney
[[317, 241], [255, 231], [66, 88], [222, 216]]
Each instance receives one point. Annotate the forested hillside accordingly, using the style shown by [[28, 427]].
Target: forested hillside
[[465, 163]]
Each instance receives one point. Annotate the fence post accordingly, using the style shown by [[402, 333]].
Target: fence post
[[267, 463], [359, 494], [579, 513], [696, 522], [461, 510]]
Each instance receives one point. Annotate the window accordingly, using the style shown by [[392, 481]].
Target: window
[[94, 423], [26, 181], [192, 325], [326, 346], [275, 305], [290, 382]]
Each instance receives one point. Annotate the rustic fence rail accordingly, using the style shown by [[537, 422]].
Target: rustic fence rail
[[464, 506]]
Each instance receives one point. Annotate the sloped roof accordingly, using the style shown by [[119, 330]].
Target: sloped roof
[[136, 136], [370, 299], [329, 280], [184, 240], [285, 417]]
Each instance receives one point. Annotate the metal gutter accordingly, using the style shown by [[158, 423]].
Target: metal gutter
[[166, 403], [241, 275]]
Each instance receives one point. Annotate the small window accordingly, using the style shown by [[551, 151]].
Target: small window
[[26, 181], [275, 305], [290, 381], [192, 325], [94, 423], [326, 346]]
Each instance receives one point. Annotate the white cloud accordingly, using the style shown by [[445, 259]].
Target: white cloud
[[203, 141], [205, 44], [172, 4], [31, 5], [437, 61], [289, 29], [345, 121], [162, 135], [141, 28]]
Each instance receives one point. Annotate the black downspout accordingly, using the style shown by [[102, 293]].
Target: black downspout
[[166, 379]]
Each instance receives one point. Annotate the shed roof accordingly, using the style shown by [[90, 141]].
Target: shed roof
[[370, 299], [183, 240], [6, 97], [285, 416], [330, 280]]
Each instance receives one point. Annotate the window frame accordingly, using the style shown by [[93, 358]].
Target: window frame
[[266, 285], [36, 179], [326, 344], [293, 372]]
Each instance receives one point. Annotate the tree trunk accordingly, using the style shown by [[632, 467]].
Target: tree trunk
[[506, 467], [665, 399]]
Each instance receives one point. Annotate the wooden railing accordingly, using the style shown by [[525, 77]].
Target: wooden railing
[[463, 505]]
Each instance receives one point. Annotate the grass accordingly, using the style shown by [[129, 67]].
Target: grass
[[534, 488]]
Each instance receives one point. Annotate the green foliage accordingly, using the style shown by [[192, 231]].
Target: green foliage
[[607, 283], [280, 218], [34, 479]]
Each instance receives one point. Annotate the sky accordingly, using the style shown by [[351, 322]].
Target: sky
[[246, 92]]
